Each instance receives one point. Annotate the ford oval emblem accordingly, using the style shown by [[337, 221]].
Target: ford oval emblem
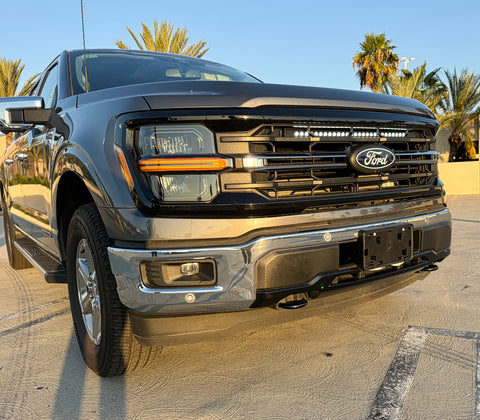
[[371, 159]]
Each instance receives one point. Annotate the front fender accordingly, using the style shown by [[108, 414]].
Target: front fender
[[87, 150]]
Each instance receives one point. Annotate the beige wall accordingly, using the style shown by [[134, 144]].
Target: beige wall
[[3, 142], [460, 178]]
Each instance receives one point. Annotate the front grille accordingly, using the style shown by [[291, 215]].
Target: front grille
[[283, 162]]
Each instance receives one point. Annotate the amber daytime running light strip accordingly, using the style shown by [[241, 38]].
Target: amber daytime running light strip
[[183, 164], [123, 165]]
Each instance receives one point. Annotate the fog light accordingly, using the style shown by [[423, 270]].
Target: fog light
[[157, 274], [189, 269]]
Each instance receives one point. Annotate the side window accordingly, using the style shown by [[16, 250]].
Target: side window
[[49, 89]]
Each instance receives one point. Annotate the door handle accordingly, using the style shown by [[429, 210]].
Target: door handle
[[21, 156]]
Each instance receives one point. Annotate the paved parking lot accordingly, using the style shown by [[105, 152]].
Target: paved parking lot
[[410, 354]]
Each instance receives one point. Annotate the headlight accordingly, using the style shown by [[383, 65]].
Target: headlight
[[180, 162], [201, 187], [177, 140]]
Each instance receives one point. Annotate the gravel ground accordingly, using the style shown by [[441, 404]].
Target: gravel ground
[[411, 354]]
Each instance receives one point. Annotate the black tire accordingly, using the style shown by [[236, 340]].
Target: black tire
[[15, 257], [115, 350]]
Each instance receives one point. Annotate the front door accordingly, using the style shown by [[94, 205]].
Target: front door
[[33, 215]]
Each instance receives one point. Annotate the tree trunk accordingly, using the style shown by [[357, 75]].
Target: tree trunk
[[476, 130], [454, 141]]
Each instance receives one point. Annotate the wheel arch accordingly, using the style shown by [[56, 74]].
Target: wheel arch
[[71, 193], [75, 181]]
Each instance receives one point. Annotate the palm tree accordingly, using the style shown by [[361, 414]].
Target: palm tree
[[166, 40], [460, 108], [10, 72], [375, 62], [420, 85]]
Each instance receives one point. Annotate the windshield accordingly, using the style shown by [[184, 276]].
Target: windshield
[[108, 69]]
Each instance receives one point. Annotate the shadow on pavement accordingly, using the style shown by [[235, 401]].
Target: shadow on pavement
[[76, 400]]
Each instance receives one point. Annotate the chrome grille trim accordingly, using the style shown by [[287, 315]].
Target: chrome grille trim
[[269, 161]]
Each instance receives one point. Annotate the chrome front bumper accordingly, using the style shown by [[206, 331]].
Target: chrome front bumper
[[236, 268]]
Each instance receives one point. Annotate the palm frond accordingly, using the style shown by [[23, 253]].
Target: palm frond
[[147, 38], [166, 39], [10, 72], [462, 105], [420, 85], [27, 87], [460, 108], [122, 45], [137, 41], [376, 62]]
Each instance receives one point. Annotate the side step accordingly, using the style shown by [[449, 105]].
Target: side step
[[52, 270]]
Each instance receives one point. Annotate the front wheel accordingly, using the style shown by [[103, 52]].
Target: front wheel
[[101, 321]]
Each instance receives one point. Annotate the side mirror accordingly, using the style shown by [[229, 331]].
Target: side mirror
[[19, 112]]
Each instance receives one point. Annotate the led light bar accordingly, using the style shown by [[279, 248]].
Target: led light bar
[[393, 133], [356, 132], [364, 134], [322, 132]]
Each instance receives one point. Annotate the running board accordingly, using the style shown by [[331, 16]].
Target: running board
[[52, 270]]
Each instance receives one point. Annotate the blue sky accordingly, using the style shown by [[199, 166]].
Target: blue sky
[[303, 42]]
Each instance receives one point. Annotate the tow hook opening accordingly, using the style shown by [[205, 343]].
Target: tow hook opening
[[296, 301], [430, 267]]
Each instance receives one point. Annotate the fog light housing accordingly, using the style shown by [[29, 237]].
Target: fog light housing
[[180, 274]]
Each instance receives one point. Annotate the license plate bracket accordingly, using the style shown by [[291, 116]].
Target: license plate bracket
[[385, 246]]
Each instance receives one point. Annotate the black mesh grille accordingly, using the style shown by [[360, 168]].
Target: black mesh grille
[[282, 162]]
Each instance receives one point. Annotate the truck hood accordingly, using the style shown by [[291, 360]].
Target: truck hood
[[184, 95]]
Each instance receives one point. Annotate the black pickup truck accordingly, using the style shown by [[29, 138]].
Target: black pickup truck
[[179, 198]]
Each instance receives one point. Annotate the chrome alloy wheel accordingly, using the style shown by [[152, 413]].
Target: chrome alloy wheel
[[88, 293]]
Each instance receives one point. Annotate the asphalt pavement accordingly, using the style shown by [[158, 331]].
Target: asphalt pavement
[[413, 354]]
